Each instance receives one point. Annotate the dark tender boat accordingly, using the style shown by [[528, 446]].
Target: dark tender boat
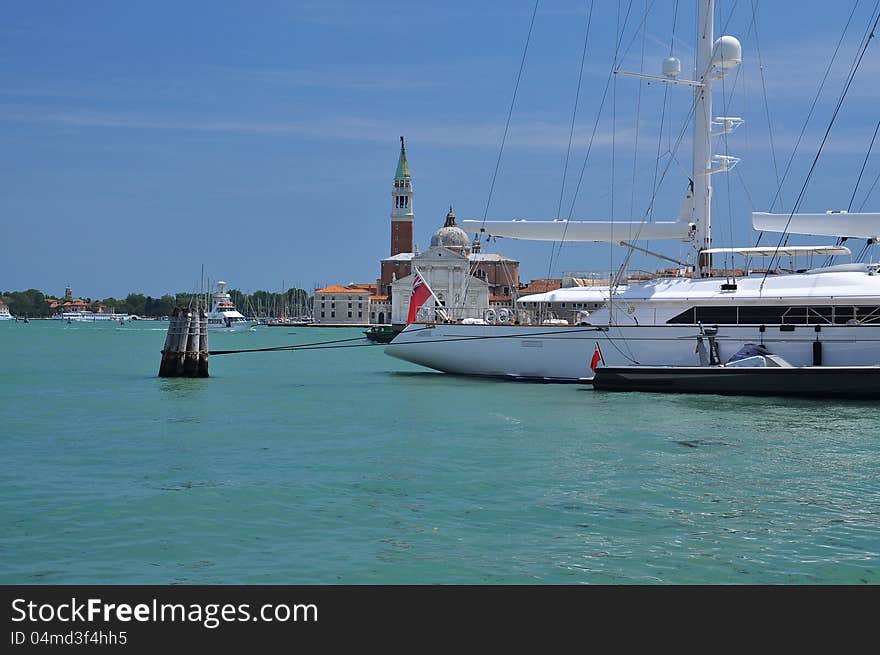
[[753, 371], [841, 382], [382, 333]]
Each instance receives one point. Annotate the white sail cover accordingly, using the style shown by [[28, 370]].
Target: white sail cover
[[784, 251], [829, 224], [609, 231]]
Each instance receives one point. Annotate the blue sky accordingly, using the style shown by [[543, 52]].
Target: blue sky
[[140, 141]]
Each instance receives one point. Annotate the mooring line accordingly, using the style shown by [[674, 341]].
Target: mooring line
[[305, 346], [327, 345]]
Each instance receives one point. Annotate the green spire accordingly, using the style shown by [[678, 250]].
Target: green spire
[[402, 165]]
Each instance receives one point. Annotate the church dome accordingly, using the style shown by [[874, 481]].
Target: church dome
[[450, 235]]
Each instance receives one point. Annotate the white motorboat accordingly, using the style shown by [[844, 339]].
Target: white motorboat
[[223, 315], [4, 312], [656, 322]]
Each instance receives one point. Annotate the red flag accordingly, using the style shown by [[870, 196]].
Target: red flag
[[420, 293], [597, 357]]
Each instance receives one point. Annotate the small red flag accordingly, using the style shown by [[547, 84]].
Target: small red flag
[[420, 293], [597, 357]]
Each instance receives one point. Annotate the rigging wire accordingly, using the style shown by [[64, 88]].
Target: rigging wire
[[510, 110], [632, 195], [809, 113], [666, 103], [594, 130], [577, 96], [621, 29], [870, 191], [853, 70], [632, 199], [841, 240], [522, 64], [864, 163], [764, 95], [618, 36], [618, 40]]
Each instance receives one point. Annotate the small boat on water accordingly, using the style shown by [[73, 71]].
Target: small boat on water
[[756, 373], [223, 315], [4, 312], [382, 333]]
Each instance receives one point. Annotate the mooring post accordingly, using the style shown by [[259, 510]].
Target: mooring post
[[191, 352], [186, 345], [203, 343], [183, 337], [165, 370]]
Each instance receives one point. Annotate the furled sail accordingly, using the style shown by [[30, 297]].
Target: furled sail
[[562, 230], [829, 224]]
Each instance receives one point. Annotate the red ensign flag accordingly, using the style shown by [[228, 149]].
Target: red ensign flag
[[597, 357], [420, 293]]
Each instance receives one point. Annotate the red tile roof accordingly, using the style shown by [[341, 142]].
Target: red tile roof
[[336, 288], [540, 285]]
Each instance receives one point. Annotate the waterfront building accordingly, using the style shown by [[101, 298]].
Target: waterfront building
[[456, 269], [342, 305], [462, 279], [69, 303]]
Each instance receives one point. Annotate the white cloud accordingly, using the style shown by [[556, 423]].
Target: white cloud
[[534, 135]]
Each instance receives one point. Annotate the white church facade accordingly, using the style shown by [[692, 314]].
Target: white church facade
[[465, 281], [456, 275]]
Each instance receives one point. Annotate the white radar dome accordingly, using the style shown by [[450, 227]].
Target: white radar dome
[[672, 67], [727, 53]]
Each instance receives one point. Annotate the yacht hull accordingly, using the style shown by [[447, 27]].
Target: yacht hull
[[233, 327], [564, 353]]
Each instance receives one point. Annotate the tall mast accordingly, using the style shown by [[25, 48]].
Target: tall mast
[[702, 128]]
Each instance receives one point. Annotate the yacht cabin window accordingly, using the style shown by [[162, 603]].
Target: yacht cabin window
[[783, 314]]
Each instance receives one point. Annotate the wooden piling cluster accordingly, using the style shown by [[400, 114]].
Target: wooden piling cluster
[[185, 354]]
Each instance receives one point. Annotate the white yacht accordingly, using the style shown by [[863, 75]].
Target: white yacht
[[89, 317], [223, 315], [4, 312], [809, 316]]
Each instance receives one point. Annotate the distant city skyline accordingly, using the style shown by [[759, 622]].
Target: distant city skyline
[[141, 142]]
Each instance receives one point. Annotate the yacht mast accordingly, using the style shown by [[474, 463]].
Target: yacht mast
[[714, 60], [702, 144]]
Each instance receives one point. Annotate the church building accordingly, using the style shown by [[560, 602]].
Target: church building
[[465, 281]]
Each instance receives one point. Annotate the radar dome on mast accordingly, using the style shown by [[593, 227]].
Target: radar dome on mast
[[726, 53], [672, 67]]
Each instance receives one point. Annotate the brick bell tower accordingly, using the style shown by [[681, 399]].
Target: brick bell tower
[[402, 206], [395, 268]]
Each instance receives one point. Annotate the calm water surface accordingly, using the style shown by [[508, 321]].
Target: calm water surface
[[347, 466]]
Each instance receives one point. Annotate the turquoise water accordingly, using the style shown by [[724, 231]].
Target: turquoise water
[[347, 466]]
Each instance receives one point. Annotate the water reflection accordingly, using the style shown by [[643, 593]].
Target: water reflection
[[183, 387]]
